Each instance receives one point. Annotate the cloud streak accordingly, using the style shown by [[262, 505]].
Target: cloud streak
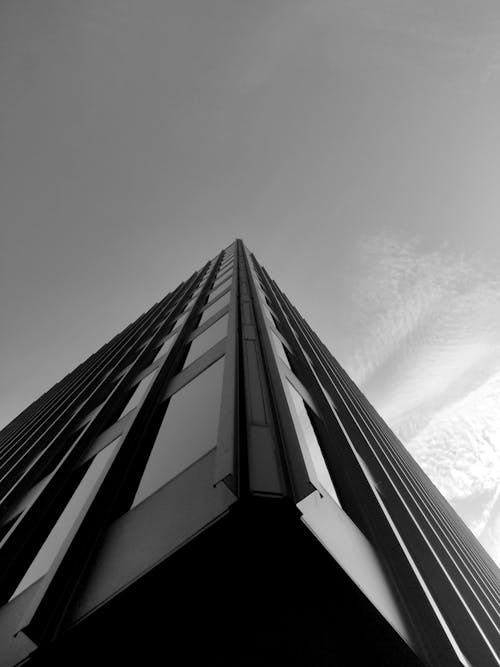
[[427, 355]]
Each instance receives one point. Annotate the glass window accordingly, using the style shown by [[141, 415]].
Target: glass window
[[43, 560], [214, 307], [139, 392], [216, 291], [225, 280], [308, 437], [222, 280], [207, 339], [227, 269], [188, 430]]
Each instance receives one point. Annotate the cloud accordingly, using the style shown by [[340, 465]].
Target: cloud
[[426, 352]]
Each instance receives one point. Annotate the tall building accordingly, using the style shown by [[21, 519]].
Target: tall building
[[211, 488]]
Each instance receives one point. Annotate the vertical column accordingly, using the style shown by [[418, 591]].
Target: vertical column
[[261, 468]]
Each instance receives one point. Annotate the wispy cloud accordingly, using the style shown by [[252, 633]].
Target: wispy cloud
[[427, 353]]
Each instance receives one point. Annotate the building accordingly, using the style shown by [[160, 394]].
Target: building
[[211, 488]]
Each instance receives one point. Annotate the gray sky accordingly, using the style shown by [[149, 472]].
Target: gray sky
[[354, 146]]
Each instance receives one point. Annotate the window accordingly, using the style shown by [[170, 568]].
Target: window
[[224, 271], [137, 395], [216, 291], [222, 279], [188, 430], [40, 565], [207, 339], [309, 439], [214, 307]]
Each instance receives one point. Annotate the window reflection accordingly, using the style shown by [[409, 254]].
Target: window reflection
[[207, 339], [188, 430], [139, 392], [308, 437], [224, 270], [45, 556], [214, 308]]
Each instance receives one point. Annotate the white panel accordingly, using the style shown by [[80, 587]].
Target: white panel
[[354, 553]]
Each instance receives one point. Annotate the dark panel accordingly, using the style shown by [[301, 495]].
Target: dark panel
[[263, 461]]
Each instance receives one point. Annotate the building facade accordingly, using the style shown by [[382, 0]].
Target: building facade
[[211, 486]]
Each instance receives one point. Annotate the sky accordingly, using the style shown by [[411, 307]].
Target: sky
[[354, 146]]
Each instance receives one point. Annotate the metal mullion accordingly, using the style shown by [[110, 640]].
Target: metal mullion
[[469, 544], [448, 525], [229, 427], [54, 400], [473, 551], [411, 461], [96, 367], [86, 367], [438, 561], [408, 459], [456, 630], [108, 353], [437, 529], [70, 399], [411, 464], [428, 594], [14, 437], [447, 529]]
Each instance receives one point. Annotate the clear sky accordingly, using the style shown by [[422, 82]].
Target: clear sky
[[354, 146]]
